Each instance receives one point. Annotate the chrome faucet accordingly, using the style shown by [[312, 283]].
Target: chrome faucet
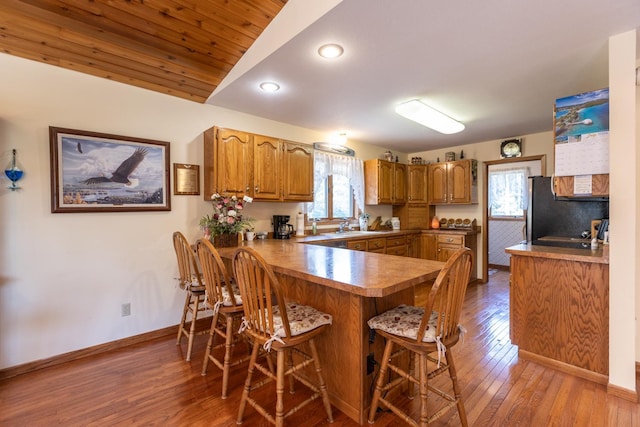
[[344, 226]]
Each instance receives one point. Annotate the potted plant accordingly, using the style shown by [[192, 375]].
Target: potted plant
[[227, 220]]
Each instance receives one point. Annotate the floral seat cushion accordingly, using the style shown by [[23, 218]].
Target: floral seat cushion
[[404, 321], [302, 318], [226, 297]]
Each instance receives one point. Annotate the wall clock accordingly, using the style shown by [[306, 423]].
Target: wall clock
[[511, 148]]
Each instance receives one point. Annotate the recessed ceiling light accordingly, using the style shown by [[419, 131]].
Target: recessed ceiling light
[[331, 50], [427, 116], [269, 86]]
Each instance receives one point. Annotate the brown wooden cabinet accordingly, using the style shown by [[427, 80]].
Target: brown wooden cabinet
[[439, 246], [453, 182], [297, 172], [559, 310], [563, 186], [267, 158], [385, 182], [265, 168], [228, 162], [414, 216], [417, 190], [397, 245]]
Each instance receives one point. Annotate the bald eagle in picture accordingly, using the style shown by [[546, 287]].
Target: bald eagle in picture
[[125, 169]]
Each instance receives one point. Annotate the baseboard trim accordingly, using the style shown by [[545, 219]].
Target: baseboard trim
[[565, 367], [623, 393], [89, 351]]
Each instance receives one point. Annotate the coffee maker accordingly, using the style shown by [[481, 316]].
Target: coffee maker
[[281, 227]]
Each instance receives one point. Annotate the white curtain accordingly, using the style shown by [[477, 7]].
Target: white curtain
[[326, 164]]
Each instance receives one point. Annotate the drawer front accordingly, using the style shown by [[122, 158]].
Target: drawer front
[[397, 250], [396, 241], [357, 245], [450, 239], [377, 251], [376, 245]]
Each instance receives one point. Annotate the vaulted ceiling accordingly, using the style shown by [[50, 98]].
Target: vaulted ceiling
[[178, 47]]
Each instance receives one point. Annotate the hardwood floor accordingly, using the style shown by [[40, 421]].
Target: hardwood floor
[[151, 384]]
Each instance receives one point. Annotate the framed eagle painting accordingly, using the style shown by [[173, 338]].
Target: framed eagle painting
[[98, 172]]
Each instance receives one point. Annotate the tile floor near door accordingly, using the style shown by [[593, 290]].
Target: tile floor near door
[[151, 384]]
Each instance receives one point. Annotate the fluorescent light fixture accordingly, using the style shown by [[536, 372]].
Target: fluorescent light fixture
[[331, 50], [421, 113], [269, 86]]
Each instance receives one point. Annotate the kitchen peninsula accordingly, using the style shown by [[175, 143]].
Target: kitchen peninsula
[[352, 286], [559, 313]]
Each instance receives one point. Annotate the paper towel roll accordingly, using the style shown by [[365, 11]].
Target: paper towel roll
[[300, 224]]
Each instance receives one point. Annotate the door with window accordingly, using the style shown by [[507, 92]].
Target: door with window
[[507, 187]]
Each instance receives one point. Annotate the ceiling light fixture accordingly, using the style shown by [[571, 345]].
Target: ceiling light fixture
[[421, 113], [330, 50], [269, 86]]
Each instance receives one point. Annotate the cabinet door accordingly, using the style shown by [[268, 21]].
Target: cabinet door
[[385, 182], [399, 187], [437, 182], [459, 182], [417, 184], [447, 245], [298, 172], [429, 248], [267, 166], [234, 162]]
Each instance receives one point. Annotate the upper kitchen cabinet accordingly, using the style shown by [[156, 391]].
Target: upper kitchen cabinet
[[417, 190], [596, 186], [298, 172], [264, 168], [453, 182], [385, 182], [267, 158], [228, 162]]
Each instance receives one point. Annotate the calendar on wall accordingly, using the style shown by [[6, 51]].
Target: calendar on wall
[[581, 132]]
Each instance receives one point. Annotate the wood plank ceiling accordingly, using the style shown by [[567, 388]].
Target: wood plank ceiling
[[182, 48]]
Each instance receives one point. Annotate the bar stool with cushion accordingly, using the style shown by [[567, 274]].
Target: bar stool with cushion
[[191, 281], [274, 324], [223, 296], [423, 331]]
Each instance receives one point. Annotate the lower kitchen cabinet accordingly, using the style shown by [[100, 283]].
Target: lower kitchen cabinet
[[439, 245], [397, 245]]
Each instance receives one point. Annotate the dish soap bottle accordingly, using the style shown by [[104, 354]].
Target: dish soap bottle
[[314, 227]]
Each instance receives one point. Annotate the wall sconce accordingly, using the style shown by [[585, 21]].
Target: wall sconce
[[14, 172]]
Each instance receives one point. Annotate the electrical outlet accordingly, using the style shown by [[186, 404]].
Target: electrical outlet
[[125, 310], [371, 363]]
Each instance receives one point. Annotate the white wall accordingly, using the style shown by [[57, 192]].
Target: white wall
[[63, 277], [624, 212]]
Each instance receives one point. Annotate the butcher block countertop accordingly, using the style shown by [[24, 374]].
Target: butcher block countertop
[[361, 273]]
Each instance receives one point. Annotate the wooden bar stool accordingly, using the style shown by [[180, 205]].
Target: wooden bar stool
[[274, 324], [191, 281], [423, 331], [223, 296]]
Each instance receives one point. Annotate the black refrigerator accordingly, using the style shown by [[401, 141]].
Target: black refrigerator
[[548, 215]]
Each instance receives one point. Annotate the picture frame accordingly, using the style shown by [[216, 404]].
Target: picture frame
[[186, 179], [99, 172]]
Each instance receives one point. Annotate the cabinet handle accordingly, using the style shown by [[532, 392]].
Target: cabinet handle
[[257, 189], [449, 240], [451, 196], [358, 246]]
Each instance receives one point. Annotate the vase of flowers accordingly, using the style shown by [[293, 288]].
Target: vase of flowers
[[227, 220]]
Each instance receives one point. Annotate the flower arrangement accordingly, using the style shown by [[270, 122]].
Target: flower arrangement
[[227, 216]]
